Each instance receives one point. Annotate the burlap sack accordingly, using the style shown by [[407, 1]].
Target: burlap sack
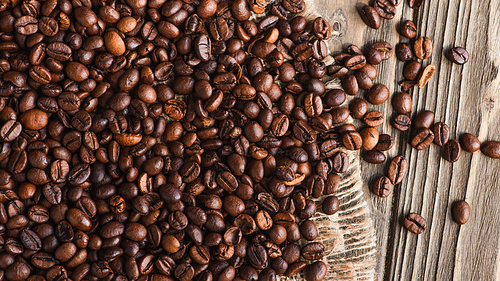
[[349, 236]]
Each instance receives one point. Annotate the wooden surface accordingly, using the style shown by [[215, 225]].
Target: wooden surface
[[467, 98]]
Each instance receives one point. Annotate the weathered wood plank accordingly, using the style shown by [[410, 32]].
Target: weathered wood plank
[[467, 99]]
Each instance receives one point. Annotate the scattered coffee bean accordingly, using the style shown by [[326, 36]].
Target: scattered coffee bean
[[470, 143], [458, 55], [415, 223], [461, 212]]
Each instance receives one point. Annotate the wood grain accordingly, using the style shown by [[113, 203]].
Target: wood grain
[[467, 99]]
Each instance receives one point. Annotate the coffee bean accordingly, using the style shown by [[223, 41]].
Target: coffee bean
[[461, 212], [313, 251], [350, 85], [385, 142], [424, 119], [330, 205], [401, 122], [385, 9], [355, 62], [378, 94], [415, 4], [397, 169], [408, 29], [382, 187], [370, 16], [316, 271], [451, 151], [458, 55], [412, 70], [404, 52], [415, 223], [423, 48], [384, 48], [374, 157], [426, 75], [470, 143], [491, 149], [441, 133], [373, 118]]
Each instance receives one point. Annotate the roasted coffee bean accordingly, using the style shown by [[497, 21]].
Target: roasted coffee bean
[[355, 62], [397, 169], [412, 70], [374, 157], [470, 143], [408, 29], [426, 75], [330, 205], [415, 223], [385, 9], [458, 55], [352, 140], [313, 251], [378, 94], [451, 151], [384, 48], [370, 16], [385, 142], [402, 103], [491, 149], [441, 133], [404, 52], [424, 119], [257, 256], [461, 212], [401, 122], [373, 56], [423, 48], [382, 187], [415, 4], [350, 85], [316, 271], [373, 118]]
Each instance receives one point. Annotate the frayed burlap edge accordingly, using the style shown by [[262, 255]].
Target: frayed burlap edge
[[349, 236]]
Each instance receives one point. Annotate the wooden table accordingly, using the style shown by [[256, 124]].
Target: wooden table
[[467, 98]]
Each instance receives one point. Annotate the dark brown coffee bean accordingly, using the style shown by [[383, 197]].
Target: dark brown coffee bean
[[295, 268], [441, 133], [313, 251], [355, 62], [384, 48], [423, 48], [26, 25], [330, 205], [424, 119], [385, 142], [404, 52], [461, 212], [373, 118], [408, 29], [385, 9], [470, 143], [30, 240], [373, 56], [294, 6], [257, 256], [352, 140], [336, 70], [378, 94], [316, 271], [458, 55], [415, 4], [370, 16], [10, 130], [350, 85], [412, 70], [397, 169], [340, 162], [491, 149], [451, 151], [374, 157], [401, 122], [415, 223], [382, 187]]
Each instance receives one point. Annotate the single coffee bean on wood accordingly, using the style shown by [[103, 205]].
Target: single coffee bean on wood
[[491, 149], [382, 187], [415, 223], [458, 55], [408, 29], [461, 212], [422, 139], [451, 151], [370, 16], [397, 169], [423, 48], [470, 143], [441, 133]]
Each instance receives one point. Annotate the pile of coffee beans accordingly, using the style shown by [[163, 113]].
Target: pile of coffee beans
[[169, 139], [424, 130]]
